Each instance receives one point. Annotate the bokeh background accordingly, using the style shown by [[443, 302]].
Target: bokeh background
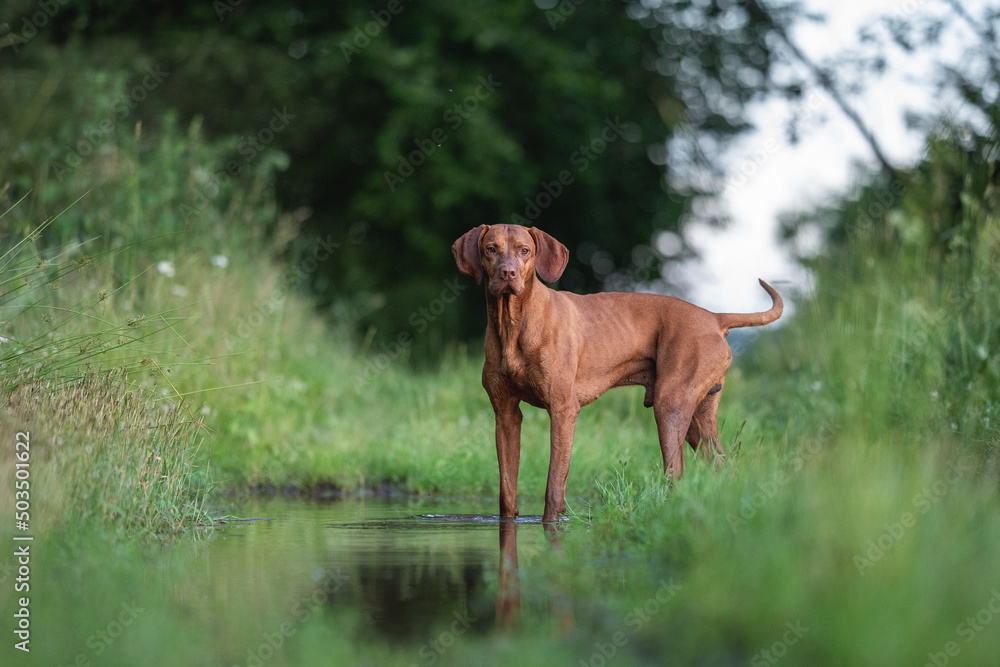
[[226, 281], [374, 124]]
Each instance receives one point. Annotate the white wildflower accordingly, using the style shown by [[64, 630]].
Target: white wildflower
[[166, 268]]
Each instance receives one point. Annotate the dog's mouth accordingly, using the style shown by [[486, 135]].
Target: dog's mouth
[[506, 288]]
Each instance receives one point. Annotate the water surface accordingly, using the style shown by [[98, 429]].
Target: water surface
[[406, 568]]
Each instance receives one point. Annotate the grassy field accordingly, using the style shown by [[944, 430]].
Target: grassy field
[[855, 521]]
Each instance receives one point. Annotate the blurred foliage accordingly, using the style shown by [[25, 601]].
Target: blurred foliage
[[942, 211], [928, 245], [151, 182], [406, 124]]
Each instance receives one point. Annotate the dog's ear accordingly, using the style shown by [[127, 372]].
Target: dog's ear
[[551, 256], [466, 252]]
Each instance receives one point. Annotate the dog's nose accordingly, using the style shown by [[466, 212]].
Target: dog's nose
[[507, 273]]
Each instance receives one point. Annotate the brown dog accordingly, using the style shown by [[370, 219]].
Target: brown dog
[[560, 351]]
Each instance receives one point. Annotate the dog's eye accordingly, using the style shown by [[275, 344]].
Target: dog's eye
[[490, 250], [525, 251]]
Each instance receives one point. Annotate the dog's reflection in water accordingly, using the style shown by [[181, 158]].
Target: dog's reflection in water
[[508, 607]]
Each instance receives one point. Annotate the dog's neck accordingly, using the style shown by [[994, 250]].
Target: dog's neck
[[505, 315]]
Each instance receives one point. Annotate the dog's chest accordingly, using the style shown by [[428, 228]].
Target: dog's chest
[[523, 377]]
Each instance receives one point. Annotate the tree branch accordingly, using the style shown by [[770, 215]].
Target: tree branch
[[755, 7]]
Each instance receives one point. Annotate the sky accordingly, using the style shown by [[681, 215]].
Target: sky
[[781, 177]]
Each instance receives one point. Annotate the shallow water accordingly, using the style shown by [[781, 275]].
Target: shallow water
[[406, 567]]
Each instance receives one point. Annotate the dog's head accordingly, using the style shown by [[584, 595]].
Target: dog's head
[[509, 254]]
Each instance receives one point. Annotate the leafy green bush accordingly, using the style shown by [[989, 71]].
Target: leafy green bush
[[915, 264], [120, 303]]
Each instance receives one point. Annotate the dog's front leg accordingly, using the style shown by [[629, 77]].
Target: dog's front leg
[[508, 434], [563, 425]]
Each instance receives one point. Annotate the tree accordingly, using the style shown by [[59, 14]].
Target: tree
[[407, 124], [960, 45]]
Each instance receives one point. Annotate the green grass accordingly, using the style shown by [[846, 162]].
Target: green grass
[[843, 508], [103, 454], [857, 510]]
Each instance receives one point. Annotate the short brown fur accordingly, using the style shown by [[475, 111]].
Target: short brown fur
[[560, 351]]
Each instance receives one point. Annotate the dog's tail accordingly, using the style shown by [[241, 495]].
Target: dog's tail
[[729, 321]]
